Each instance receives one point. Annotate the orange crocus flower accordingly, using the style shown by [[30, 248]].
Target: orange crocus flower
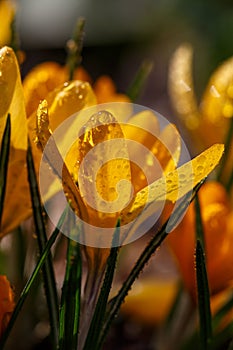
[[217, 217]]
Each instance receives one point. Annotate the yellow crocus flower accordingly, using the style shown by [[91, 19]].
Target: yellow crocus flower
[[63, 102]]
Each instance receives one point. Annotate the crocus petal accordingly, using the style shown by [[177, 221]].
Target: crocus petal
[[6, 17], [67, 100], [12, 98], [151, 155], [217, 101], [17, 198], [101, 167], [175, 184], [45, 77], [217, 104], [54, 159], [105, 91], [181, 87], [62, 103]]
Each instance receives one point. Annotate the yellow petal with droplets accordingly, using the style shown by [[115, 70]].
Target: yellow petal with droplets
[[62, 103], [12, 100], [177, 183], [17, 205], [170, 137], [54, 159], [151, 156], [181, 87], [44, 78], [99, 163], [69, 99]]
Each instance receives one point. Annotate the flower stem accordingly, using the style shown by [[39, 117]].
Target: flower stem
[[74, 47], [4, 159]]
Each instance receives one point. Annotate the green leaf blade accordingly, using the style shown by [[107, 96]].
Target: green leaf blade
[[71, 297], [203, 294], [4, 160], [139, 81], [48, 271]]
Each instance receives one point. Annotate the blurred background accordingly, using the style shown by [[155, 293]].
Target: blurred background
[[119, 35]]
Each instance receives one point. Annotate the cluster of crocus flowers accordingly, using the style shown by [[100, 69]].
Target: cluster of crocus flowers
[[76, 95], [92, 129], [47, 76]]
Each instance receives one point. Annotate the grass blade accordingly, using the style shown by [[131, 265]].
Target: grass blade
[[139, 81], [101, 306], [48, 272], [155, 242], [74, 47], [4, 159], [71, 298], [203, 295], [32, 279]]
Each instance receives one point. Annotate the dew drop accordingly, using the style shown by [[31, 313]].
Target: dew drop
[[200, 168]]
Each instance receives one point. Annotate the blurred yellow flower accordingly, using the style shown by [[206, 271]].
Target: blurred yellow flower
[[150, 301], [6, 303], [208, 120], [217, 216], [7, 12]]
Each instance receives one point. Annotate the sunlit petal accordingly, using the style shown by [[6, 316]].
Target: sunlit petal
[[177, 183], [6, 17], [44, 78], [163, 148], [217, 101], [17, 198], [181, 87], [99, 163]]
